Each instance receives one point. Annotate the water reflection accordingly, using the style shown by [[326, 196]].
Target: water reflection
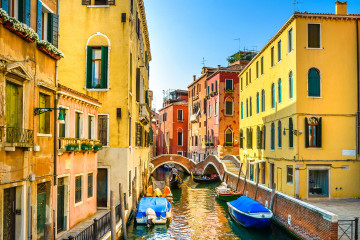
[[197, 214]]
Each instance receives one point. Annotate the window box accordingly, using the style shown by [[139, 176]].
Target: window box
[[209, 144], [8, 25], [228, 144], [71, 147], [97, 147], [50, 50], [229, 90], [84, 147]]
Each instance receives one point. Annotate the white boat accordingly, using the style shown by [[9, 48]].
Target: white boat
[[153, 210]]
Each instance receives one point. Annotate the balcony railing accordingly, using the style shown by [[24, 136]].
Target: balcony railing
[[73, 144], [144, 113], [17, 136]]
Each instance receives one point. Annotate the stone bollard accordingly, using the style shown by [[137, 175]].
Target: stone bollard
[[48, 231]]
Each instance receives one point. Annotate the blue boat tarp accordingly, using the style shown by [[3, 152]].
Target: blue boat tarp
[[160, 205], [247, 205]]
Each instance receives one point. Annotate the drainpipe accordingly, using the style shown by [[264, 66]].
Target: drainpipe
[[357, 89], [29, 213], [55, 111]]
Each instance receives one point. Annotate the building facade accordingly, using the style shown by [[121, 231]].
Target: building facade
[[173, 124], [76, 171], [27, 129], [110, 62], [298, 112]]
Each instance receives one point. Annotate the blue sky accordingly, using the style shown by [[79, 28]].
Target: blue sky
[[183, 32]]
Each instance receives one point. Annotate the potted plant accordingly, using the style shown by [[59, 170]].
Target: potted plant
[[97, 147], [84, 146], [50, 49], [229, 90], [89, 146], [20, 29], [71, 147], [228, 144], [3, 16], [211, 144]]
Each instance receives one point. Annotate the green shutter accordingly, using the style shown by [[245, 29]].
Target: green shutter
[[42, 117], [89, 68], [104, 67], [50, 28], [318, 135], [147, 97], [55, 30], [314, 83], [27, 12], [306, 133], [39, 19], [138, 84], [5, 5], [12, 96], [291, 135]]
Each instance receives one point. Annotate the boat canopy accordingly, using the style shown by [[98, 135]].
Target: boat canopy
[[160, 205], [247, 205]]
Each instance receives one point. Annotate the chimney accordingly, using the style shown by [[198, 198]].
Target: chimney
[[194, 77], [341, 8], [219, 66]]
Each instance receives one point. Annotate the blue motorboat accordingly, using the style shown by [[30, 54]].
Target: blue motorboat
[[249, 213], [153, 210]]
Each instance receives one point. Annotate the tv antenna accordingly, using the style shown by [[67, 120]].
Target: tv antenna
[[238, 39], [203, 62], [296, 5]]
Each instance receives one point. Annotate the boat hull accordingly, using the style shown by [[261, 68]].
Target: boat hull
[[249, 221], [228, 197], [175, 184], [201, 180], [158, 221]]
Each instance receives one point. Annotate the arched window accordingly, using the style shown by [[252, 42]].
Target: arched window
[[250, 106], [228, 137], [272, 136], [291, 134], [279, 91], [263, 100], [242, 110], [179, 137], [279, 135], [272, 95], [314, 83], [229, 107], [291, 83], [257, 102], [247, 107]]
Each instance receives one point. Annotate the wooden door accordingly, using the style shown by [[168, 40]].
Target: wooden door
[[102, 187], [12, 105], [41, 209], [61, 206], [9, 213], [279, 179]]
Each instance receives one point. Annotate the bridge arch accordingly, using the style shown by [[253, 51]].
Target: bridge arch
[[186, 163], [177, 163], [209, 166]]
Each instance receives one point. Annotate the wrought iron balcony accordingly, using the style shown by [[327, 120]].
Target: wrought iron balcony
[[18, 137], [144, 113], [77, 145]]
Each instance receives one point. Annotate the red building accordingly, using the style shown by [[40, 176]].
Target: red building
[[172, 129]]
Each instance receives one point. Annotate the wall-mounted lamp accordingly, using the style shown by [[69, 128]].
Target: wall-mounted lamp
[[38, 111], [295, 132]]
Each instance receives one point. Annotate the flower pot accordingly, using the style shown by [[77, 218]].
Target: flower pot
[[47, 52], [1, 20], [69, 148], [97, 147], [84, 148], [9, 26]]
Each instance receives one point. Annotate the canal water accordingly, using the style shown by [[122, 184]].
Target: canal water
[[197, 214]]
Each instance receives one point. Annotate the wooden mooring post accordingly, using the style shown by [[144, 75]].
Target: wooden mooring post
[[122, 212], [257, 180], [112, 215], [272, 196], [237, 184], [246, 173], [134, 198]]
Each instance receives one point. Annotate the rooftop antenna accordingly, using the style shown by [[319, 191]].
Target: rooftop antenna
[[296, 5], [203, 62], [238, 39]]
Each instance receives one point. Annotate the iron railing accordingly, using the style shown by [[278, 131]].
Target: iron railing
[[348, 229], [17, 135], [98, 228]]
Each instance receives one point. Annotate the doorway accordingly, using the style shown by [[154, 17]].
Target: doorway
[[318, 183], [61, 225], [102, 187], [9, 213], [41, 210]]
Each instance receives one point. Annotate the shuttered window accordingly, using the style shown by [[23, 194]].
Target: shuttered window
[[314, 36], [291, 134], [241, 138], [53, 29], [257, 69], [250, 106], [279, 135], [5, 5], [97, 67], [290, 40], [263, 100], [228, 107], [39, 19], [273, 95], [262, 65], [103, 122], [44, 118], [62, 126], [272, 56], [228, 137], [291, 83], [263, 138], [98, 2], [179, 138], [257, 102], [13, 105], [90, 185], [279, 91], [272, 136], [313, 133], [78, 189], [314, 83], [229, 85], [139, 135], [242, 110], [78, 125], [138, 84], [279, 50]]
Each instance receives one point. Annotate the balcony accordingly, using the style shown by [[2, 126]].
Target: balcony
[[13, 137], [144, 113], [78, 145]]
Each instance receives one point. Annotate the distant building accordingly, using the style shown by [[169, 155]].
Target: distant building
[[173, 124], [153, 133]]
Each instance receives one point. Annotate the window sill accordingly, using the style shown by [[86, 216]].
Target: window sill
[[44, 135], [90, 198], [314, 97], [290, 52], [309, 48], [290, 183], [97, 89], [291, 147], [313, 147], [78, 203], [99, 6]]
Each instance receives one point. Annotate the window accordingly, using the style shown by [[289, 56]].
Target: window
[[290, 40], [262, 65], [44, 119], [229, 85], [97, 65], [241, 138], [250, 106], [272, 95], [47, 24], [90, 185], [78, 189], [314, 35], [291, 82], [78, 125], [263, 100], [247, 78], [279, 50], [179, 153], [257, 102], [249, 75], [228, 138], [263, 138], [314, 83], [179, 138], [103, 123], [279, 135], [63, 126], [272, 57], [180, 115], [279, 91], [17, 9], [209, 113], [257, 69], [241, 84], [289, 174], [208, 90], [242, 110], [131, 6], [216, 86], [313, 132], [91, 127], [247, 107], [291, 134], [14, 108], [215, 108], [100, 2], [251, 172], [228, 106], [272, 136], [249, 138]]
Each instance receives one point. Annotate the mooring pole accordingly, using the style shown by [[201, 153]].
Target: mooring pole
[[257, 180], [356, 228], [237, 184], [122, 212], [272, 196], [112, 215], [247, 170]]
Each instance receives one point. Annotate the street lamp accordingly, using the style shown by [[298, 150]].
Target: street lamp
[[294, 131], [38, 111]]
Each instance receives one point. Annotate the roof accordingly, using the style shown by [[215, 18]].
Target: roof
[[144, 23], [231, 68], [206, 71], [79, 94]]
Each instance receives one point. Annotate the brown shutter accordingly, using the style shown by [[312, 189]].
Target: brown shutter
[[86, 2], [318, 134], [306, 133]]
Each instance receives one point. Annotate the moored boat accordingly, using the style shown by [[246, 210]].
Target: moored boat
[[205, 179], [159, 189], [153, 210], [226, 194], [249, 213], [175, 181]]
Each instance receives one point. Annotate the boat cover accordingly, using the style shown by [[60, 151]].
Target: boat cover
[[160, 205], [247, 205]]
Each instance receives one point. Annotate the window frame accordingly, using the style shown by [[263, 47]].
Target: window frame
[[279, 51], [307, 35], [272, 136], [257, 103], [290, 43], [91, 134], [279, 91], [182, 115], [232, 84], [291, 85], [263, 102], [291, 134], [81, 123], [67, 121], [232, 136], [257, 69], [232, 107], [107, 130], [77, 203], [91, 197], [292, 174], [279, 134], [47, 115], [320, 87], [272, 56], [262, 65], [273, 95], [182, 137]]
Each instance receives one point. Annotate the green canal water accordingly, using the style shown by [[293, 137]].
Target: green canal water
[[197, 214]]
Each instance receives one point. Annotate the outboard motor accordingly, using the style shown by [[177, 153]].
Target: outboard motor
[[150, 217]]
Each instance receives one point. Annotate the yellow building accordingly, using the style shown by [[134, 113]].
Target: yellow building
[[298, 107], [107, 51]]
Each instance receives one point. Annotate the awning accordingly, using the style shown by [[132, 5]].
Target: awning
[[258, 161]]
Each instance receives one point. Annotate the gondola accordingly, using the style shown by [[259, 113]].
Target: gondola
[[226, 194], [205, 179], [176, 183]]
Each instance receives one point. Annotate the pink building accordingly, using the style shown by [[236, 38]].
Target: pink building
[[76, 165]]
